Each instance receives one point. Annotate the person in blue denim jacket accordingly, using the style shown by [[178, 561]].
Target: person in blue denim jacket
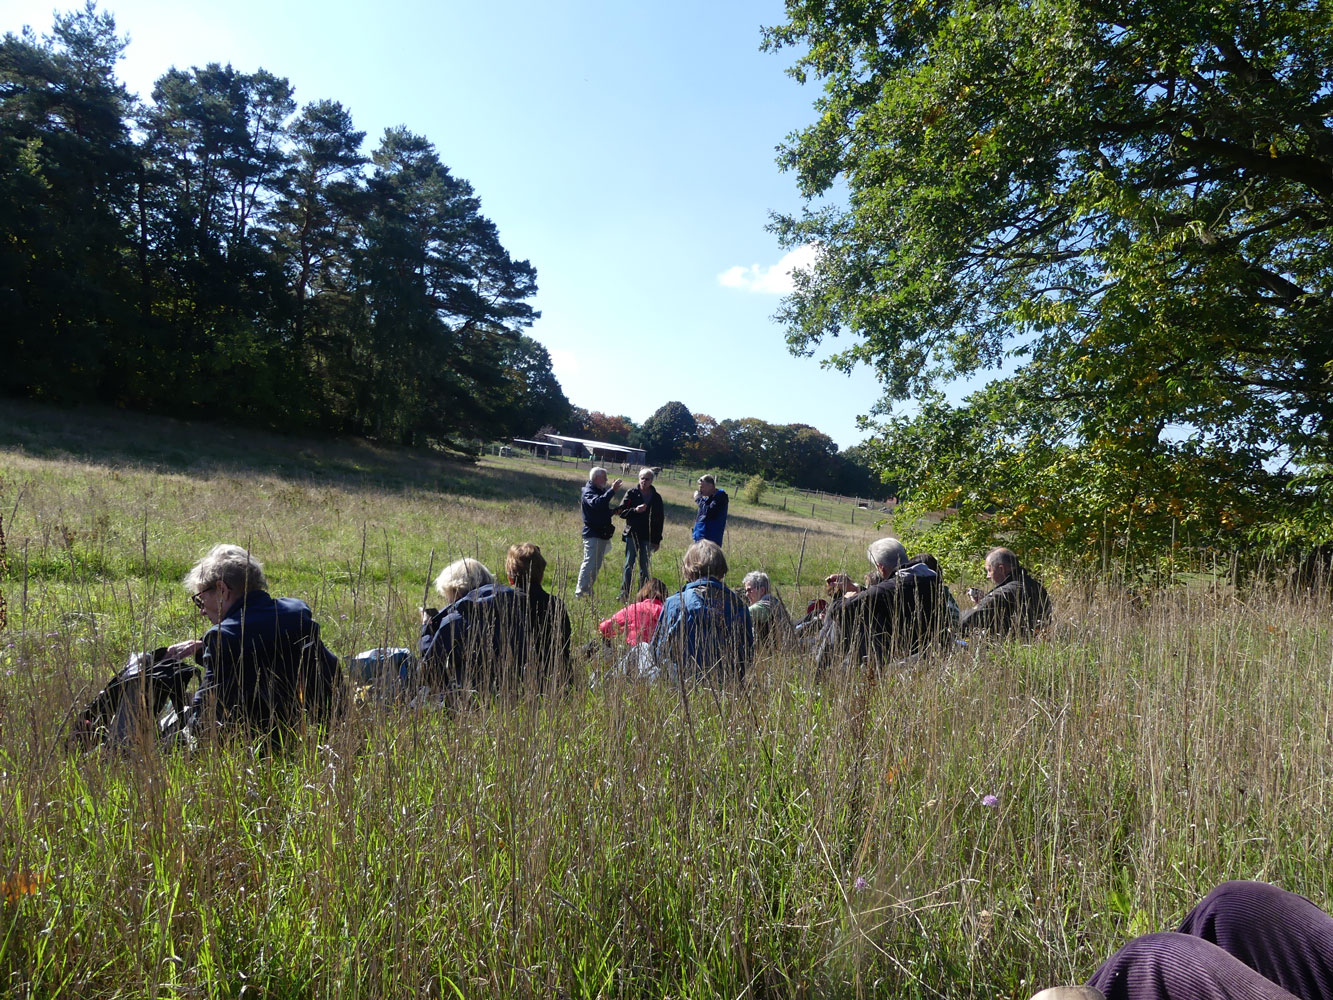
[[704, 631]]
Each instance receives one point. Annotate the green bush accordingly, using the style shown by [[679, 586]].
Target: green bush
[[753, 490]]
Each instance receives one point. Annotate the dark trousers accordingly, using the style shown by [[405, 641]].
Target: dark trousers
[[1244, 941], [644, 551]]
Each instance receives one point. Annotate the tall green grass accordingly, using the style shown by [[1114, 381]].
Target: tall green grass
[[797, 837]]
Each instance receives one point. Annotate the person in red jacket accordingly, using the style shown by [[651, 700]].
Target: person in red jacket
[[638, 621]]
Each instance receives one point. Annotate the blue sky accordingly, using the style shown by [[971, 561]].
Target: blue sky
[[626, 149]]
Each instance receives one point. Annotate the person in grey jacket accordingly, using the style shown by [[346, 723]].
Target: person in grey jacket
[[1017, 603]]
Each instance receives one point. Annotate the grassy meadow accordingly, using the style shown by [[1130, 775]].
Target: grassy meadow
[[794, 838]]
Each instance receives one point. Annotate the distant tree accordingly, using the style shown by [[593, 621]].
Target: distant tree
[[212, 150], [576, 424], [613, 430], [750, 439], [666, 431], [754, 488], [711, 448], [801, 454], [533, 397], [437, 284], [857, 475], [209, 249], [315, 222]]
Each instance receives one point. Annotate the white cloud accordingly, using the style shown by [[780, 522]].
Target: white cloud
[[775, 280]]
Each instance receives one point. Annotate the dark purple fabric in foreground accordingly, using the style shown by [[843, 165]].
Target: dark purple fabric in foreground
[[1244, 941]]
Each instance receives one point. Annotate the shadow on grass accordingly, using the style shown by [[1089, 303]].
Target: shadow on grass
[[116, 438]]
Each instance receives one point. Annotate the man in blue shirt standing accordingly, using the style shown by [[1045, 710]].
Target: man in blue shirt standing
[[598, 528], [712, 518]]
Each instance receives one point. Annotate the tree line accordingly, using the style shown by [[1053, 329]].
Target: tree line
[[796, 454], [217, 251]]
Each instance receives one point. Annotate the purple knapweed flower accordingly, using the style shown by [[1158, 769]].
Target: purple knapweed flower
[[860, 883], [989, 801]]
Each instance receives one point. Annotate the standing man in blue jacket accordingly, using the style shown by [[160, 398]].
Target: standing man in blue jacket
[[598, 528], [712, 518]]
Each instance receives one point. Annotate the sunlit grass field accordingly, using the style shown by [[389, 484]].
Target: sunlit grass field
[[796, 837]]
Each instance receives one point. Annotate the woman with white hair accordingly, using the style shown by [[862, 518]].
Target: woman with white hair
[[265, 667], [478, 640]]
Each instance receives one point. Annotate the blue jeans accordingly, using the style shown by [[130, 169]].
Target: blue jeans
[[645, 553], [594, 551]]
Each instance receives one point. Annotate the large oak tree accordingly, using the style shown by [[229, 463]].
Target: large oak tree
[[1122, 208]]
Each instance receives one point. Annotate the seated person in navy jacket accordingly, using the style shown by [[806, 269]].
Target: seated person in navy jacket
[[478, 641], [547, 620], [265, 668]]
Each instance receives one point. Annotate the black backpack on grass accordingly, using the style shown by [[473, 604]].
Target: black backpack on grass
[[152, 689]]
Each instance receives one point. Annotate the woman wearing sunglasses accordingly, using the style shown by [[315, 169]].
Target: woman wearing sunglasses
[[266, 672]]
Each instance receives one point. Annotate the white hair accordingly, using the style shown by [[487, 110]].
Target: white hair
[[596, 471], [462, 576], [758, 579], [886, 553], [229, 564]]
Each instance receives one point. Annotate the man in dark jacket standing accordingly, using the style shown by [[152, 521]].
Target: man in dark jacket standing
[[1017, 602], [598, 528], [643, 513], [711, 520]]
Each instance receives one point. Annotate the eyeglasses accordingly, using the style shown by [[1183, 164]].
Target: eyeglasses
[[198, 598]]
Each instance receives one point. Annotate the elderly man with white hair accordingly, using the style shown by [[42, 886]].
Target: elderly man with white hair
[[598, 528], [1018, 603], [903, 615]]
